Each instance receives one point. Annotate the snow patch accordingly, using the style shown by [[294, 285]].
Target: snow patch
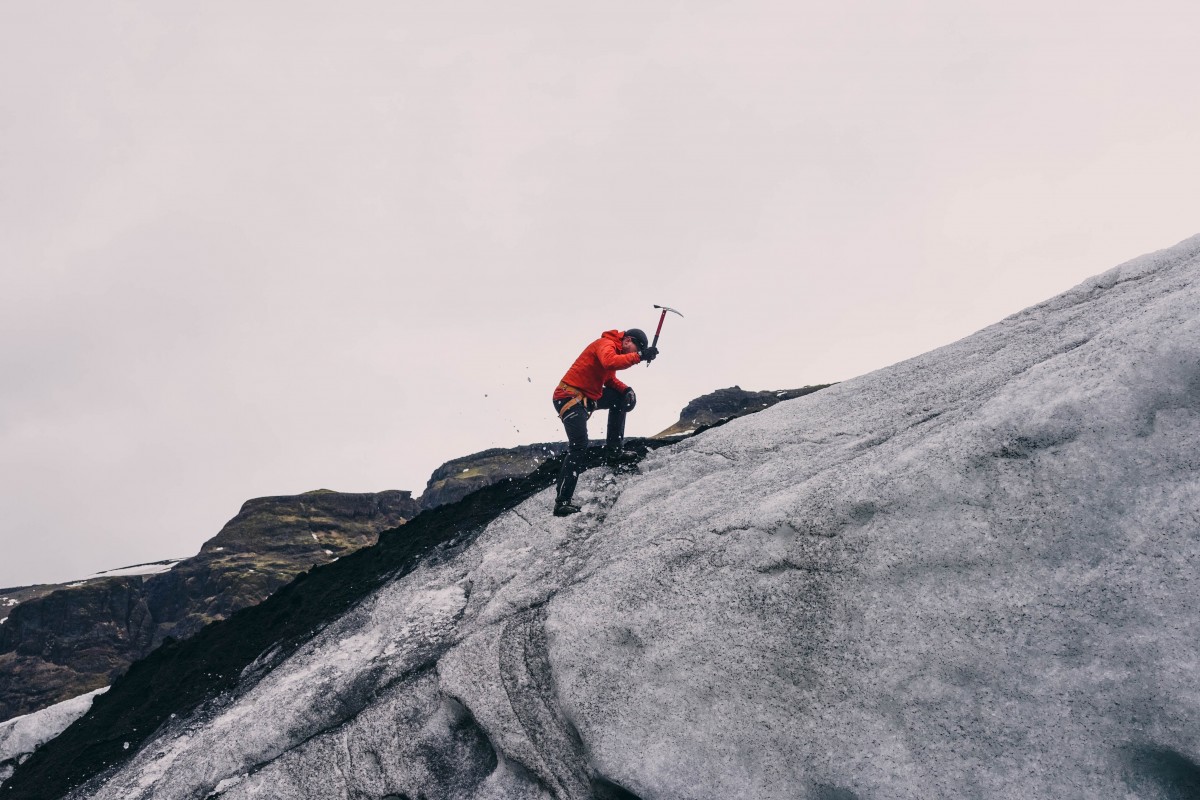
[[153, 568], [20, 736]]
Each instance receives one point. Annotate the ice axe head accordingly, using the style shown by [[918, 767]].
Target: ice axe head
[[662, 317]]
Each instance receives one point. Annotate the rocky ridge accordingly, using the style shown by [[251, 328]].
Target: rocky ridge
[[62, 641]]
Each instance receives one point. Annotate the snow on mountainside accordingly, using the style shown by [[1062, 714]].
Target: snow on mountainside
[[20, 736], [971, 574]]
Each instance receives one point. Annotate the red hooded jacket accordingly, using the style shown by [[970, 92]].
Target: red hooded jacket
[[597, 365]]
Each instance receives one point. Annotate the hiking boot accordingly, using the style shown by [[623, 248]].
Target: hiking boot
[[565, 509], [622, 462]]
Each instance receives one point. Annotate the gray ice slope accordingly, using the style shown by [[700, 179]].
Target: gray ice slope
[[972, 574]]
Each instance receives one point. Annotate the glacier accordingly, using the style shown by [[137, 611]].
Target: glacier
[[970, 574]]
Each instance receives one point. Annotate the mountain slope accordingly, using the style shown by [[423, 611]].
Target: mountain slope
[[971, 574]]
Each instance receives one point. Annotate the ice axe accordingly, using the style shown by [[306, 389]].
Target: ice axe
[[661, 318]]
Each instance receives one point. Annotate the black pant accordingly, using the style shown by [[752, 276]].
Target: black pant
[[575, 421]]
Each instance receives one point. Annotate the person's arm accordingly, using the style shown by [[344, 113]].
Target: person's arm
[[611, 358]]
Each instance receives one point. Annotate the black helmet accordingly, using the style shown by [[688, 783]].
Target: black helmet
[[639, 337]]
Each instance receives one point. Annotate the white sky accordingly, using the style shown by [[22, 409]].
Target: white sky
[[255, 249]]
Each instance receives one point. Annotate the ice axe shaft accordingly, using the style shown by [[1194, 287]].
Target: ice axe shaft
[[662, 318]]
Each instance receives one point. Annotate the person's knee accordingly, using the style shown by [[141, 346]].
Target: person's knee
[[628, 401]]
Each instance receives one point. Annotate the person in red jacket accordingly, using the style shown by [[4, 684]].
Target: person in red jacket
[[592, 383]]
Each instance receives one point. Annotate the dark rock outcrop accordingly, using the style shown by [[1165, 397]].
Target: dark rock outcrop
[[59, 642], [269, 542], [456, 479], [726, 404], [13, 596], [71, 641]]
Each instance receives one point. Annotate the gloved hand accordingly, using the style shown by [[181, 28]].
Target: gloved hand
[[629, 400], [649, 353]]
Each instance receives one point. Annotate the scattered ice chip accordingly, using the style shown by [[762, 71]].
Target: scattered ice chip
[[228, 783]]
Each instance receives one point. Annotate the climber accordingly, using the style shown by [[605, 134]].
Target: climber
[[591, 383]]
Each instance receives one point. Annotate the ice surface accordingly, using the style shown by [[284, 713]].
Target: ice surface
[[20, 736], [971, 574]]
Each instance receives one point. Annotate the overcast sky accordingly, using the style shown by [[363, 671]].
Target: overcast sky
[[259, 248]]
